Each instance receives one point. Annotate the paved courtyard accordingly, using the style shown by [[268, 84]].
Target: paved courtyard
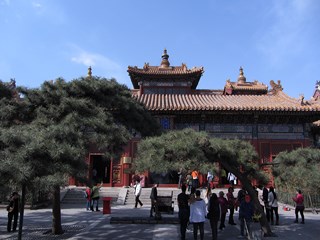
[[81, 224]]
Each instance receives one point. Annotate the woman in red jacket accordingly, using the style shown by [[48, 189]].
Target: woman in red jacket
[[299, 206]]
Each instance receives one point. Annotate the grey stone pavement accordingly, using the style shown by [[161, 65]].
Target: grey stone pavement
[[81, 224]]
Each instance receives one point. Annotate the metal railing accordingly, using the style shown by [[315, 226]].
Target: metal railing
[[310, 200]]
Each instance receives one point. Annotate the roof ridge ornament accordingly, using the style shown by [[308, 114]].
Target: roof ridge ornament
[[146, 66], [241, 78], [165, 62], [184, 67], [276, 87], [89, 72]]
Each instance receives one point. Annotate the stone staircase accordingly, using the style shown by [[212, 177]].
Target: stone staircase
[[145, 195], [123, 196], [76, 195]]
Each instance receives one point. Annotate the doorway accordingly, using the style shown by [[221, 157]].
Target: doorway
[[100, 169]]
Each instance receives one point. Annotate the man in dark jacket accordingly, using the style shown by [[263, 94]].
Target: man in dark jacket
[[184, 211], [214, 214], [154, 198], [13, 212], [265, 193]]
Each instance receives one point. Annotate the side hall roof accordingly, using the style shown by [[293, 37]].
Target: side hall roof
[[206, 101]]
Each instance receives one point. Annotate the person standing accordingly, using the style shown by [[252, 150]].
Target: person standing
[[195, 179], [273, 203], [189, 182], [231, 203], [184, 211], [154, 198], [13, 212], [208, 195], [95, 195], [299, 199], [246, 212], [198, 215], [232, 179], [209, 179], [180, 173], [88, 198], [224, 209], [214, 215], [137, 193], [265, 194]]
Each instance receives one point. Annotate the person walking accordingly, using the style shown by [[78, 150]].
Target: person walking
[[224, 209], [184, 211], [273, 203], [154, 198], [198, 215], [214, 215], [246, 211], [137, 193], [87, 195], [95, 196], [13, 212], [299, 199], [231, 204]]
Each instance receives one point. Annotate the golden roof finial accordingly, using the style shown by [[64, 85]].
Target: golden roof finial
[[241, 78], [165, 62], [89, 72]]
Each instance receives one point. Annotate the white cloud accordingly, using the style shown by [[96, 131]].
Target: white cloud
[[101, 65], [94, 59], [284, 34]]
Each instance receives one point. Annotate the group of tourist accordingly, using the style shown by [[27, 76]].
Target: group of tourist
[[193, 209], [269, 200], [92, 196]]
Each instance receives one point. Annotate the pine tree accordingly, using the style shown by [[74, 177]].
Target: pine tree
[[187, 149], [45, 134]]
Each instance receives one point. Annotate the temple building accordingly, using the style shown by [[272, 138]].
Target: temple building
[[268, 118]]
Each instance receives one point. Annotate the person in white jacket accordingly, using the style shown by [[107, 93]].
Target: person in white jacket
[[198, 215], [273, 203], [137, 193]]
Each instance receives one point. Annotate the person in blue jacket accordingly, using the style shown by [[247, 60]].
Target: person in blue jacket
[[246, 212]]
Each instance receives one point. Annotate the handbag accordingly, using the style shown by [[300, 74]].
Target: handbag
[[9, 209]]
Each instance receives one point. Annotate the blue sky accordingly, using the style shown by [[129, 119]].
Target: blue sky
[[271, 39]]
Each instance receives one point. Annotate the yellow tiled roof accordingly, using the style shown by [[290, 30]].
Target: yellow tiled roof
[[219, 102]]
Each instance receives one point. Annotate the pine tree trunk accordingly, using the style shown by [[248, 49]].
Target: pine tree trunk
[[265, 226], [22, 203], [56, 212]]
